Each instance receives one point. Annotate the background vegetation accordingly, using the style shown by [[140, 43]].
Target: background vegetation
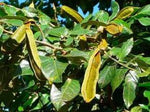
[[46, 50]]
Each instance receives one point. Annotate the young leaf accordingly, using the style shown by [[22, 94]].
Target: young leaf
[[129, 89], [125, 12], [16, 39], [33, 55], [69, 90], [88, 89], [115, 9], [72, 13]]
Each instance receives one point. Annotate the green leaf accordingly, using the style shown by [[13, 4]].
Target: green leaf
[[43, 18], [144, 11], [129, 90], [10, 10], [145, 73], [69, 90], [79, 55], [1, 30], [53, 69], [118, 78], [144, 84], [106, 76], [115, 9], [147, 95], [58, 32], [125, 49], [101, 16], [145, 21], [13, 22], [136, 109], [126, 26], [29, 12], [78, 30]]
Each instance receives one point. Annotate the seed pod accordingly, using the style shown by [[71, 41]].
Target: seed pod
[[15, 40], [114, 29], [72, 13], [33, 55], [88, 89], [125, 12]]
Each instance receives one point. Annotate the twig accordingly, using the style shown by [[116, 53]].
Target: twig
[[11, 33], [51, 46], [119, 62], [55, 11], [40, 30]]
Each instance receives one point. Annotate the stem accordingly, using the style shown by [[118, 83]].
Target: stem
[[51, 46], [40, 30], [11, 33], [119, 62]]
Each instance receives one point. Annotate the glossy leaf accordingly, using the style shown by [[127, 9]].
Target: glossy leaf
[[144, 84], [125, 49], [118, 78], [78, 54], [71, 12], [147, 95], [53, 69], [58, 32], [106, 76], [16, 39], [125, 13], [136, 109], [125, 25], [68, 91], [33, 55], [101, 16], [145, 21], [129, 90], [115, 9], [78, 30], [144, 11], [14, 22], [88, 89]]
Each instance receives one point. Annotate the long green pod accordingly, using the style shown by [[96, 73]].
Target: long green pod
[[15, 40], [33, 54]]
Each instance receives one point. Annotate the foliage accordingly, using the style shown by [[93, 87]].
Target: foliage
[[97, 63]]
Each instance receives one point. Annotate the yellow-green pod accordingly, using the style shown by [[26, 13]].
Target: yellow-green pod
[[125, 12], [72, 13], [33, 54], [114, 29], [88, 89], [15, 40]]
